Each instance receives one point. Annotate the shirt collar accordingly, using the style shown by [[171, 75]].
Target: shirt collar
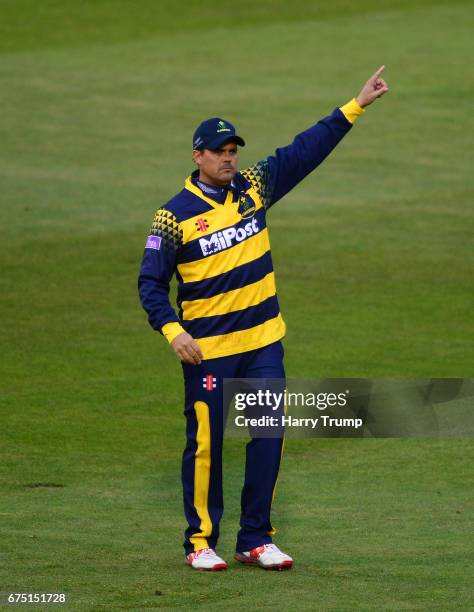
[[215, 192]]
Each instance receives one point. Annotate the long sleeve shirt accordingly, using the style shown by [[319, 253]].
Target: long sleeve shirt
[[215, 240]]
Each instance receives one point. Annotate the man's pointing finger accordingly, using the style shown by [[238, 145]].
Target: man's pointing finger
[[378, 72]]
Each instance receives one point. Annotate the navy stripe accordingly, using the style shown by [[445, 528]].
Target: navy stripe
[[240, 276], [191, 251], [186, 204], [233, 321]]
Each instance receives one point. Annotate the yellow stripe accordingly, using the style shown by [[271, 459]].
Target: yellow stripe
[[216, 220], [202, 472], [236, 299], [213, 265], [244, 340]]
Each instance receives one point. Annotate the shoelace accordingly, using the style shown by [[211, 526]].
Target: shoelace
[[206, 552], [260, 550], [271, 548]]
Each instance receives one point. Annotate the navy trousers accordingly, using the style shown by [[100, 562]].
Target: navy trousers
[[202, 457]]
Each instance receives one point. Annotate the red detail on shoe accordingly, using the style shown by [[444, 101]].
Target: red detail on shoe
[[253, 558], [219, 567], [215, 568], [281, 566], [256, 552]]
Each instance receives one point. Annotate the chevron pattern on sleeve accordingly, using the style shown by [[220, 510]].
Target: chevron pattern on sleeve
[[167, 227], [260, 176]]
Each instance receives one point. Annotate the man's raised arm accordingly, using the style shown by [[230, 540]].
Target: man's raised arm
[[276, 175]]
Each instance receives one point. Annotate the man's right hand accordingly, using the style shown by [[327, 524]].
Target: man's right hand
[[373, 89], [187, 349]]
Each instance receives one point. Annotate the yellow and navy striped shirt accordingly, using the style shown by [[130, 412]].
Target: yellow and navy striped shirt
[[215, 240]]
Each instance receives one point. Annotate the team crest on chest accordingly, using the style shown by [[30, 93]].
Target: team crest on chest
[[247, 206]]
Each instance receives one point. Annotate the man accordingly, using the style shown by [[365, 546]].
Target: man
[[213, 236]]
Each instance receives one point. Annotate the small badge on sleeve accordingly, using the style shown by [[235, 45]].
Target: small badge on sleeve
[[153, 242]]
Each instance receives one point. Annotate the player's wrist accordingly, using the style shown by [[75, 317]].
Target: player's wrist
[[171, 330], [352, 110]]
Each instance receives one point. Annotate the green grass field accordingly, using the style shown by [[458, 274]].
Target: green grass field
[[374, 262]]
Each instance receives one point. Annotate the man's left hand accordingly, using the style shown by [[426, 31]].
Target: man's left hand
[[373, 89]]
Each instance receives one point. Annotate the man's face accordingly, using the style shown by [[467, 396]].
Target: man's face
[[217, 166]]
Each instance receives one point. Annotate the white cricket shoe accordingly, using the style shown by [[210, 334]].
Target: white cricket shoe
[[268, 556], [206, 559]]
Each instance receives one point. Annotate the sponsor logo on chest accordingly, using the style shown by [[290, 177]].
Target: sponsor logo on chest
[[227, 238]]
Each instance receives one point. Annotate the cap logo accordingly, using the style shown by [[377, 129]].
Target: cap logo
[[222, 127]]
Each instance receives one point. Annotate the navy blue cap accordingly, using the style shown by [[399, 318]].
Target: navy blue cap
[[213, 133]]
